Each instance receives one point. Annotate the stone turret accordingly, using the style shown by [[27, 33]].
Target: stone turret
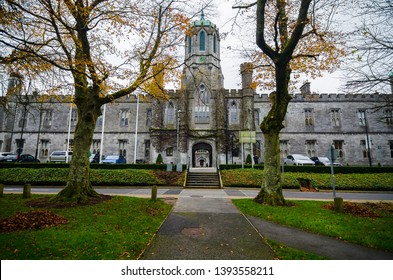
[[247, 117]]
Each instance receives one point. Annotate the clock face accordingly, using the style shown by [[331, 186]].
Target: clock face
[[202, 58]]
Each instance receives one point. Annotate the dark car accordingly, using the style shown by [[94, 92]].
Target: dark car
[[27, 158], [114, 159]]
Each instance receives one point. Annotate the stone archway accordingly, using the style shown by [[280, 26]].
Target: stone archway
[[202, 155]]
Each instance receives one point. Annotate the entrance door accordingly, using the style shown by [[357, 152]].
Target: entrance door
[[202, 155]]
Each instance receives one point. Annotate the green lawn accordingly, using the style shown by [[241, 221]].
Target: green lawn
[[116, 229], [310, 216]]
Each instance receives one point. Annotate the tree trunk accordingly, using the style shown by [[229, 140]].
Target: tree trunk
[[78, 186], [271, 189]]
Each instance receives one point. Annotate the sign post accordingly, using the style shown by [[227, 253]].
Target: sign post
[[332, 154], [247, 136]]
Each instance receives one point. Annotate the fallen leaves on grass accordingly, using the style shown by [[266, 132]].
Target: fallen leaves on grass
[[38, 219], [357, 209]]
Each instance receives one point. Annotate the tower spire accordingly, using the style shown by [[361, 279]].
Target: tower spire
[[202, 14]]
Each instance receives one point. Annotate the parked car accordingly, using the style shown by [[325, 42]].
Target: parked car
[[59, 156], [321, 160], [4, 154], [114, 159], [297, 159], [324, 161], [10, 157], [27, 158]]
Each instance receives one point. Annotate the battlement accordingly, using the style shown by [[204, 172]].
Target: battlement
[[329, 97]]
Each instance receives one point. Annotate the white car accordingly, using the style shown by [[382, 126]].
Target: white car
[[297, 159], [60, 156]]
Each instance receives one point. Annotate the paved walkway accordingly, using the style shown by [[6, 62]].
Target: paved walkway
[[204, 224]]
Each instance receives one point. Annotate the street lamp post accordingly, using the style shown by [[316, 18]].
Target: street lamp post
[[136, 126], [177, 136], [367, 139]]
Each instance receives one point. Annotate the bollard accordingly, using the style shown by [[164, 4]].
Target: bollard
[[154, 193], [1, 190], [26, 191], [338, 204]]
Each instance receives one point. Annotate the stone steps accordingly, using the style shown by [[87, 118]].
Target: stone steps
[[203, 180]]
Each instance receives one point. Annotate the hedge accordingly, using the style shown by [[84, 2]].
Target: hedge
[[318, 169], [98, 177], [92, 166], [252, 178]]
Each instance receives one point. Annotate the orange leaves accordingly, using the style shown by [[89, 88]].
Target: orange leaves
[[39, 219]]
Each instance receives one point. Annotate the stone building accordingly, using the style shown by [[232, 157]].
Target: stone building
[[200, 124]]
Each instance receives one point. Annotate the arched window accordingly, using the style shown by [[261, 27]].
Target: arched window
[[202, 41], [214, 43], [234, 117], [256, 117], [189, 44], [202, 101], [170, 113]]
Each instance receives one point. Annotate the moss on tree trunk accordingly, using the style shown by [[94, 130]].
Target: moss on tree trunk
[[271, 189], [78, 186]]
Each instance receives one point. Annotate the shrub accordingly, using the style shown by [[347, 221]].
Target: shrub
[[159, 159]]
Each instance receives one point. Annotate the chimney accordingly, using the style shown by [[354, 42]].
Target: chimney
[[305, 88]]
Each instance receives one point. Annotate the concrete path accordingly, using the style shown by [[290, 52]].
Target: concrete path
[[205, 225]]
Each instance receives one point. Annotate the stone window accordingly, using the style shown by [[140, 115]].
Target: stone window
[[170, 113], [283, 148], [148, 117], [308, 117], [339, 146], [234, 113], [189, 44], [169, 152], [123, 147], [257, 119], [214, 43], [124, 118], [311, 148], [44, 147], [389, 116], [202, 102], [48, 114], [335, 117], [202, 41], [96, 145], [363, 145], [362, 117], [22, 120], [74, 116], [147, 149]]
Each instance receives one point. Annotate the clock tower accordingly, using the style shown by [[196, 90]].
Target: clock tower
[[202, 56]]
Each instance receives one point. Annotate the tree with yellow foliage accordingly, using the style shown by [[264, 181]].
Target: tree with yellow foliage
[[100, 50], [292, 37]]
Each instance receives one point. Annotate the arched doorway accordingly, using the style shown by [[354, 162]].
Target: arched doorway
[[202, 155]]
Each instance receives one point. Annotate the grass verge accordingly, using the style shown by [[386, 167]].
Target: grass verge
[[286, 253], [119, 228], [312, 217]]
